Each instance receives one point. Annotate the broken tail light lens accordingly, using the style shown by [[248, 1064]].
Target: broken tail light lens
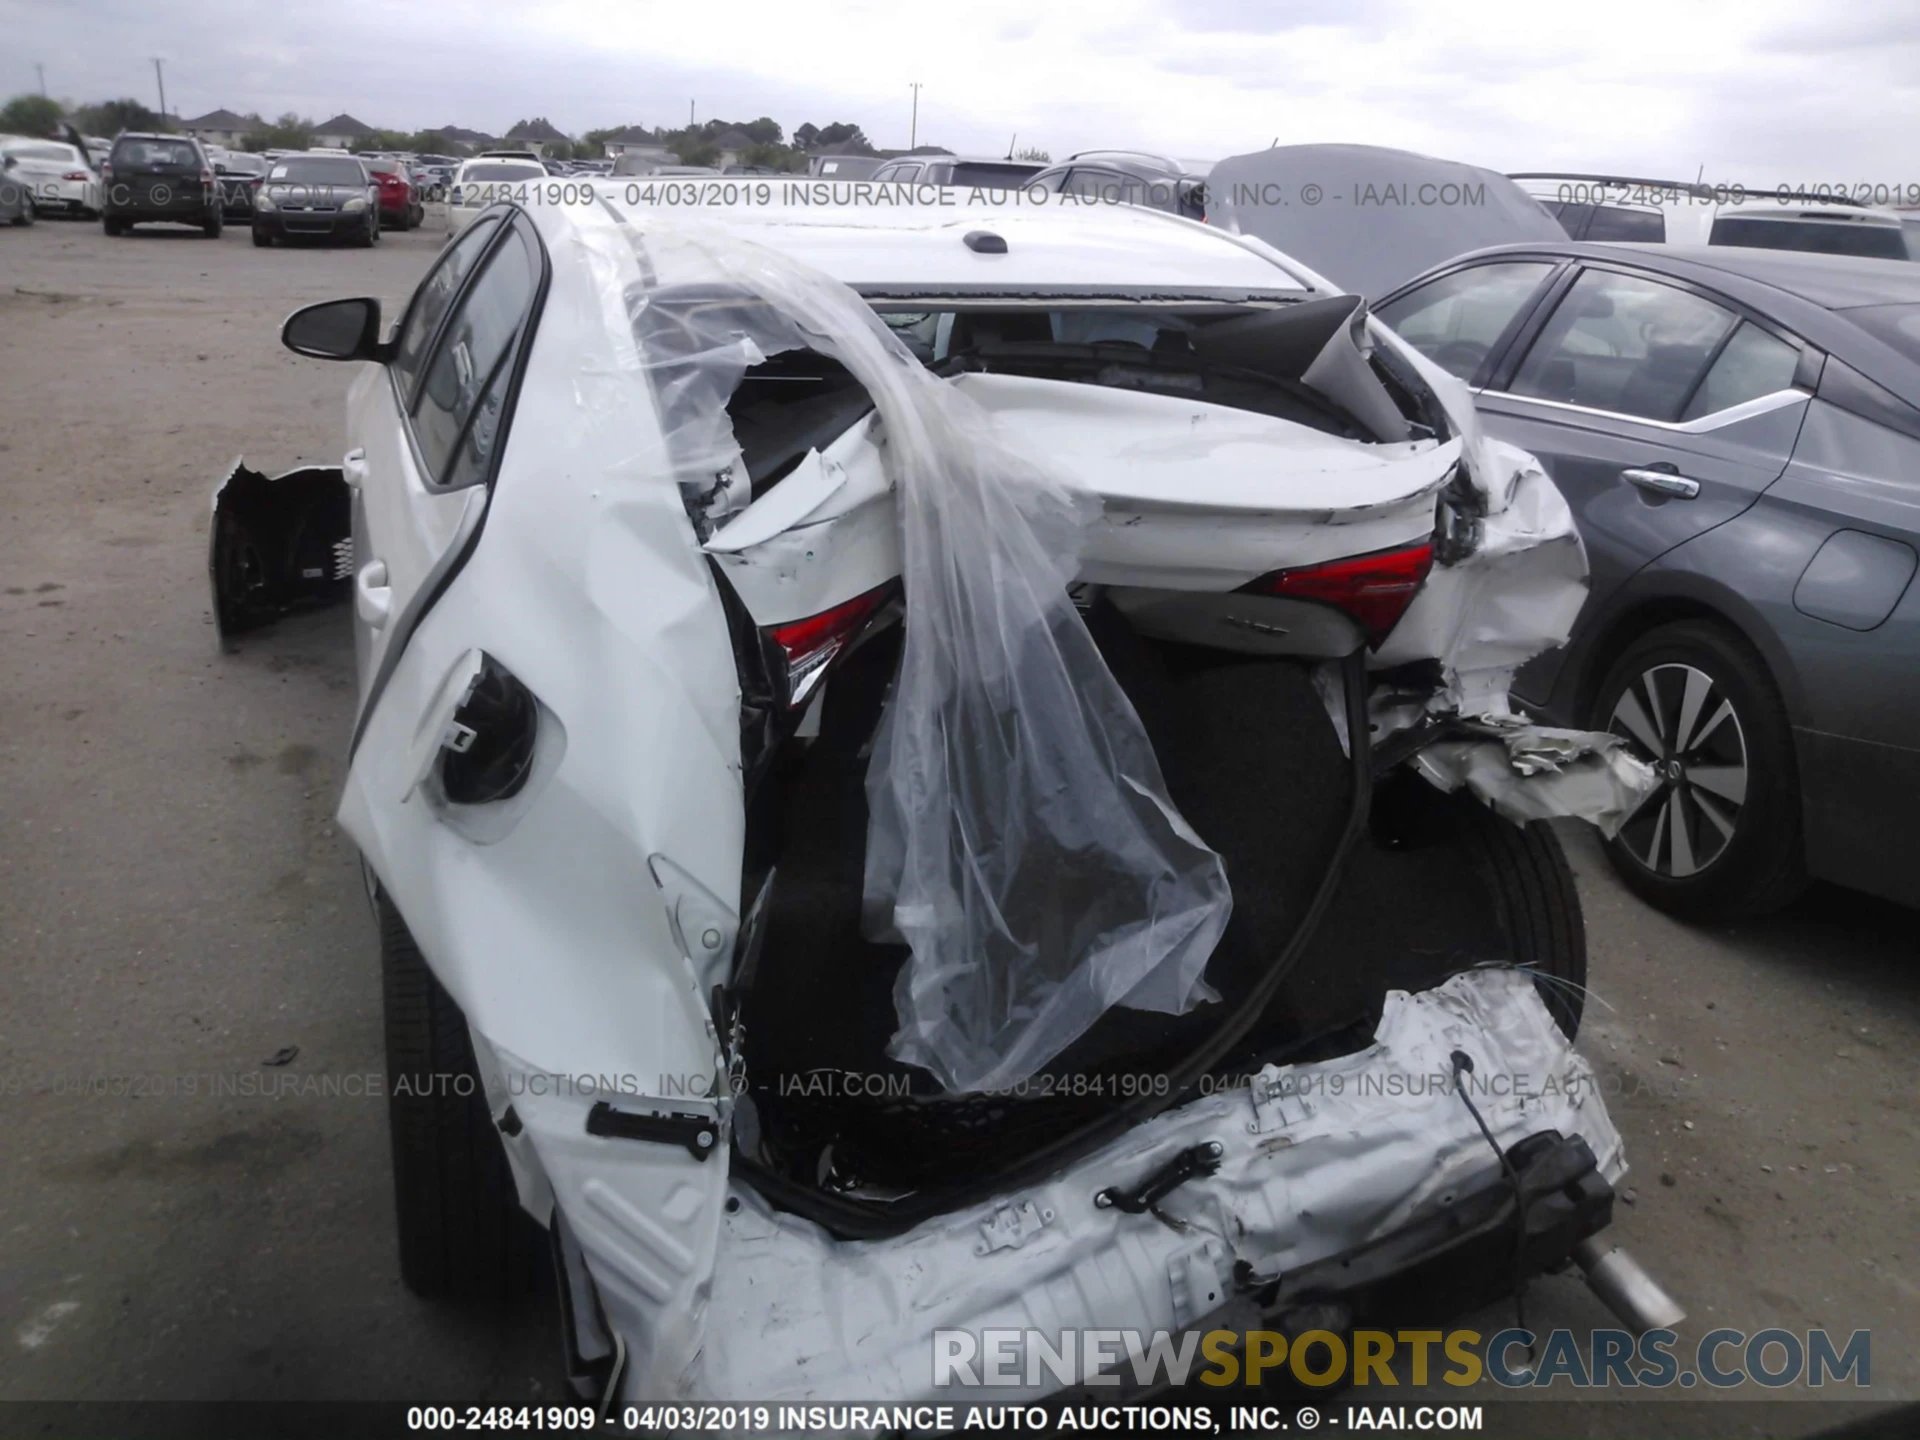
[[807, 648], [1373, 589]]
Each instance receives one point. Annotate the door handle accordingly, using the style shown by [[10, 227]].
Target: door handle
[[372, 598], [353, 465], [1662, 482]]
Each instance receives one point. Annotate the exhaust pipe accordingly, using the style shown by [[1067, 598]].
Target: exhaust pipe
[[1625, 1288]]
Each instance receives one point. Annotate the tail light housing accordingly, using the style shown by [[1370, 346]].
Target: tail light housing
[[76, 175], [1373, 589], [804, 650]]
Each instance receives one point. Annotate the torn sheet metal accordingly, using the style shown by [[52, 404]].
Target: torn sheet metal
[[1537, 772], [1021, 838], [1361, 1145]]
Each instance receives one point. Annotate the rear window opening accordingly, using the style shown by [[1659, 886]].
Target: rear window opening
[[800, 400], [1243, 357]]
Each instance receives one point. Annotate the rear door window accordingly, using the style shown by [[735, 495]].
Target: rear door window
[[435, 296], [1624, 344], [1455, 320], [1752, 363], [464, 375]]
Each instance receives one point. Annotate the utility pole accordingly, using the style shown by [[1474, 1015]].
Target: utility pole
[[689, 114], [162, 80], [913, 132], [41, 71]]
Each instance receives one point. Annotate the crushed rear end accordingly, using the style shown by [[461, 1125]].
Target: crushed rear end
[[1040, 826]]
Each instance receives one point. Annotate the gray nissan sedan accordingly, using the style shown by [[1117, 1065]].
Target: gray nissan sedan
[[1738, 433]]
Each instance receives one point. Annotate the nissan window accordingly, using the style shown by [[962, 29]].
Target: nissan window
[[1620, 343], [1455, 320], [1752, 363]]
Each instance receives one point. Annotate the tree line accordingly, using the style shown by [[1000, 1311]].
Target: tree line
[[767, 145]]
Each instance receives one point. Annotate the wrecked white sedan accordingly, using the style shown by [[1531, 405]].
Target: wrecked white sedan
[[933, 771]]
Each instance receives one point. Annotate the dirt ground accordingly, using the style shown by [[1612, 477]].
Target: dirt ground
[[176, 904]]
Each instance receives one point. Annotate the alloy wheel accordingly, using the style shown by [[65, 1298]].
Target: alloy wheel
[[1681, 721]]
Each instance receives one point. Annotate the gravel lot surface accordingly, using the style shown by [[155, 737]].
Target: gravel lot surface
[[175, 902]]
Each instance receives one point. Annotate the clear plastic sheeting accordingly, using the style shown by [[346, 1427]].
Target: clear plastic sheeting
[[1021, 839]]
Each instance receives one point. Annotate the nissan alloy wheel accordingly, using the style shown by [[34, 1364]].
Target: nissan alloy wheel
[[1684, 724], [1719, 834]]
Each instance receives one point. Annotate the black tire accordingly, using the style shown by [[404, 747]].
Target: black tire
[[261, 237], [113, 226], [1740, 851], [1527, 874], [463, 1236], [212, 228]]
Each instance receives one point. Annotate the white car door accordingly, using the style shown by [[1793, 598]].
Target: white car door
[[422, 427]]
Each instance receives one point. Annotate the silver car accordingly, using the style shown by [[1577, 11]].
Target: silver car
[[1738, 433]]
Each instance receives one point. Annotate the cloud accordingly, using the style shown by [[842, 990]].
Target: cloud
[[1753, 90]]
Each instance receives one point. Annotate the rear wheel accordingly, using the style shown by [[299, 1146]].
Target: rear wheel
[[113, 226], [211, 229], [1720, 837], [463, 1235], [1531, 884]]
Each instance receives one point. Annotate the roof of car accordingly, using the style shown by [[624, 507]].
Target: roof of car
[[1063, 249], [1832, 282]]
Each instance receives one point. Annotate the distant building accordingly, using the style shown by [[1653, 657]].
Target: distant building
[[639, 142], [732, 143], [342, 132], [220, 127], [537, 136], [468, 139]]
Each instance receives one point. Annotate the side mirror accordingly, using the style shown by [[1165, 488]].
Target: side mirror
[[336, 330]]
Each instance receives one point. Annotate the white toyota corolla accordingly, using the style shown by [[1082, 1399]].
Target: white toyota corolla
[[935, 770]]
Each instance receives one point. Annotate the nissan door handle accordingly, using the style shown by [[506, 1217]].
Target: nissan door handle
[[1662, 482], [372, 598], [353, 465]]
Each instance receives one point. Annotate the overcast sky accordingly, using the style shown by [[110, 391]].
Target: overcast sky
[[1750, 91]]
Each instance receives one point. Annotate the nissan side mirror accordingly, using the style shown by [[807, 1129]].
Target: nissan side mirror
[[336, 330]]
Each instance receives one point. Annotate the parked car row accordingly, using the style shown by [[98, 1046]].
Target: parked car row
[[280, 195], [54, 176]]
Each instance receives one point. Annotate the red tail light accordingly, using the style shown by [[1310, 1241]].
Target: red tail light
[[1374, 589], [76, 175], [810, 646]]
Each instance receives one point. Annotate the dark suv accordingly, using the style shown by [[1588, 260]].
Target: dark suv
[[158, 177], [1130, 177]]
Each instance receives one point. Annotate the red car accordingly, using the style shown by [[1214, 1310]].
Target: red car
[[400, 204]]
